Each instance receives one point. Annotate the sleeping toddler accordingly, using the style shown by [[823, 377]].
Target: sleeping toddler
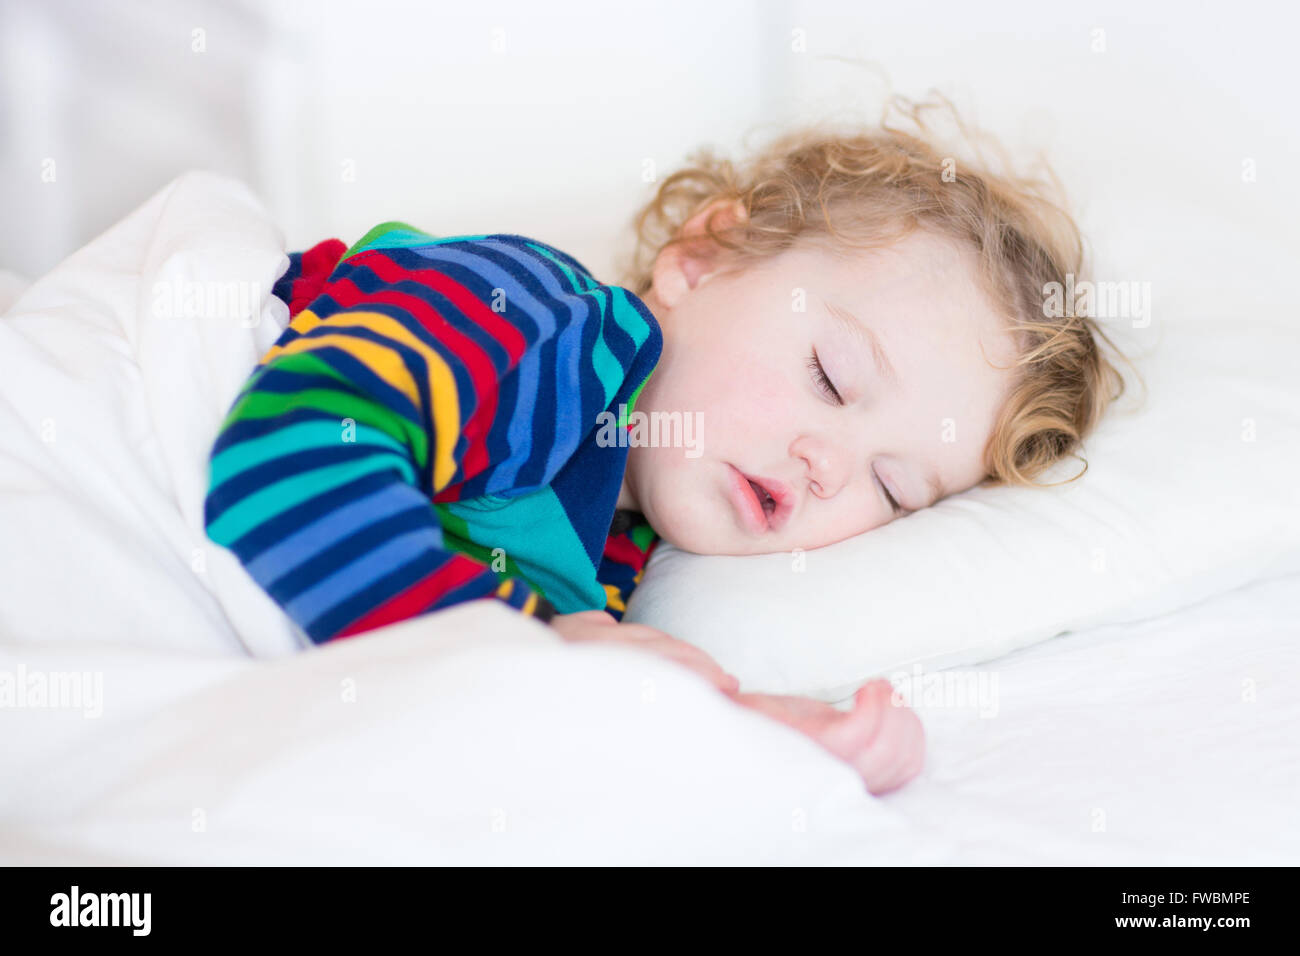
[[838, 332]]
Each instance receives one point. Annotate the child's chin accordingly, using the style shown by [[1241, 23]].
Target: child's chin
[[704, 530], [701, 539], [684, 532]]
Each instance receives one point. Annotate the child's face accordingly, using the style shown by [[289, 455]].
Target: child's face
[[737, 349]]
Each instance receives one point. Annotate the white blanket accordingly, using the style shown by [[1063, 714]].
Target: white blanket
[[188, 731], [109, 410]]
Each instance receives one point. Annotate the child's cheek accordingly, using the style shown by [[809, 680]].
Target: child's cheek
[[766, 402]]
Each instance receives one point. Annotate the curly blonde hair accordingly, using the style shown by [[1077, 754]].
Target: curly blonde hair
[[868, 187]]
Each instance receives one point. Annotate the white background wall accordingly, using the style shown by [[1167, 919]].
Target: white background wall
[[538, 118]]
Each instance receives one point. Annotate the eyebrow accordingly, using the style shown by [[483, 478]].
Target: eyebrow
[[862, 331]]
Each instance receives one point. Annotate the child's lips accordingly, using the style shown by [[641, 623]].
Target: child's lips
[[749, 506]]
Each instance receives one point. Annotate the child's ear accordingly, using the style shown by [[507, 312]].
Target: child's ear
[[682, 266]]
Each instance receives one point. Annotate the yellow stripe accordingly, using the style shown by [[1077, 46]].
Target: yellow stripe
[[304, 321], [507, 588], [380, 359], [530, 606], [613, 599], [388, 365]]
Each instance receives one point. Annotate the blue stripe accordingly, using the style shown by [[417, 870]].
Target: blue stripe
[[328, 530], [568, 429], [361, 573], [519, 426]]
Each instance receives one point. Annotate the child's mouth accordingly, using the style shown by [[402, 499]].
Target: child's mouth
[[764, 499], [759, 509]]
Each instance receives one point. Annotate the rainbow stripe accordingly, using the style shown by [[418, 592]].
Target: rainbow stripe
[[423, 433]]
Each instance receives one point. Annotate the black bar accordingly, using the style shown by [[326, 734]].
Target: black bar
[[907, 905]]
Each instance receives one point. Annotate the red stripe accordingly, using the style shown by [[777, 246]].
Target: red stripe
[[315, 267], [495, 324], [483, 374], [323, 255], [422, 594], [622, 550]]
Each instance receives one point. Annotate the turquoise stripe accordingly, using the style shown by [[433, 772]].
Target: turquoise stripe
[[611, 373], [628, 318], [624, 315], [303, 436], [405, 239], [549, 554], [578, 283], [264, 504], [396, 239]]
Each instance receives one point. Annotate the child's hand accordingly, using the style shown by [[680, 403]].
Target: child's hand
[[882, 737], [601, 626]]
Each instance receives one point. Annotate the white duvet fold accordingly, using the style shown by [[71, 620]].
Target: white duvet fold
[[110, 397], [473, 736]]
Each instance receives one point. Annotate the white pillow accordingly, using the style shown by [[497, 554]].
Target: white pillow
[[1194, 494]]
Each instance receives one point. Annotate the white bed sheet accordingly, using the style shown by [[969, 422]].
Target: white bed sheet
[[485, 740], [1171, 741], [476, 735]]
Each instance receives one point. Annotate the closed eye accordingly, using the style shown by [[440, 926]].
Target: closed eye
[[824, 383], [898, 509]]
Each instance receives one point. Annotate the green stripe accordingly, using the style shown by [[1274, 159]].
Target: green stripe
[[456, 529], [642, 534], [343, 405], [264, 504], [452, 523], [375, 238], [542, 547], [300, 363], [631, 402], [400, 235]]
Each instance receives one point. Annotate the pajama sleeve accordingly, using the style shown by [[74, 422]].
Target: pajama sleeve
[[386, 395]]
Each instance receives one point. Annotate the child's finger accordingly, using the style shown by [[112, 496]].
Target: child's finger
[[596, 617], [695, 655], [902, 750], [656, 641], [698, 661]]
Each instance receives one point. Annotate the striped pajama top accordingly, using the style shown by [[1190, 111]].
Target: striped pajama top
[[428, 431]]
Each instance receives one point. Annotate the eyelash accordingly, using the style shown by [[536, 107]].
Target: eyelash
[[828, 388], [823, 380], [898, 509]]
